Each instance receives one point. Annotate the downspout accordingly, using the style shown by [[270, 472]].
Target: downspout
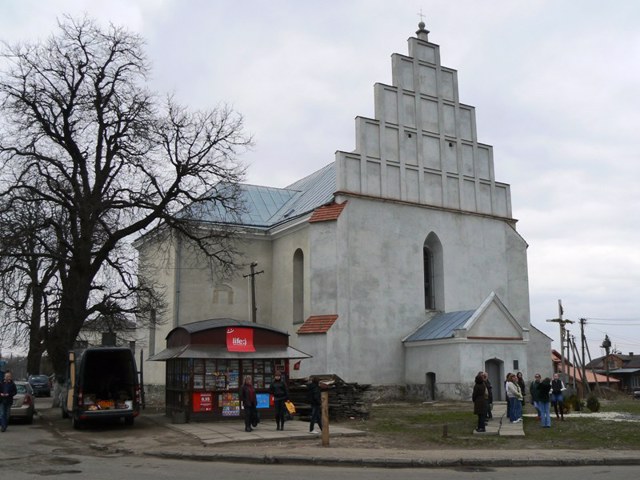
[[177, 280]]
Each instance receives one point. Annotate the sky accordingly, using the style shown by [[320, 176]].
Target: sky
[[554, 83]]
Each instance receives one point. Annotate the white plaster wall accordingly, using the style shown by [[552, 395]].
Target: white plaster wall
[[457, 363], [284, 248], [156, 260], [377, 273], [539, 355]]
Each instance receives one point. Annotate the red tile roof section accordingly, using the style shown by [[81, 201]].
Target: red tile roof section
[[326, 213], [317, 324]]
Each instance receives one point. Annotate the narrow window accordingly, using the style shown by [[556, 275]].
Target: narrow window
[[429, 300], [433, 266], [298, 287]]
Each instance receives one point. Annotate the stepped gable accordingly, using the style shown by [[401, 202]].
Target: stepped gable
[[422, 146]]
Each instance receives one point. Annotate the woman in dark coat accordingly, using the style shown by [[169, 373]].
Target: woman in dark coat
[[249, 402], [280, 394], [479, 397], [521, 384]]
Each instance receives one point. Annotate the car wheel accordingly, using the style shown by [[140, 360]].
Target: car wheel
[[128, 421]]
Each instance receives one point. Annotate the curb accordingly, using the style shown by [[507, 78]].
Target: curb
[[394, 463]]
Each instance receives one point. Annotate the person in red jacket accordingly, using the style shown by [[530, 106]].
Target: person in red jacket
[[250, 403], [7, 392]]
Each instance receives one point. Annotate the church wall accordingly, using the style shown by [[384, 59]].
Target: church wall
[[456, 365], [540, 354], [201, 294], [284, 248], [204, 295], [380, 279], [156, 260]]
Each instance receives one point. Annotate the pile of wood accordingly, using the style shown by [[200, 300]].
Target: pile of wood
[[345, 399]]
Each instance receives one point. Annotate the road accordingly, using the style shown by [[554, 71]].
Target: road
[[39, 450]]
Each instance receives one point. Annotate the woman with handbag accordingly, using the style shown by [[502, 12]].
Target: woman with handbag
[[280, 394]]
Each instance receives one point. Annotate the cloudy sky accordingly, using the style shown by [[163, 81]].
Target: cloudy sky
[[555, 84]]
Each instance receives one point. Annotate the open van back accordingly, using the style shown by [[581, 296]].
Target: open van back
[[102, 383]]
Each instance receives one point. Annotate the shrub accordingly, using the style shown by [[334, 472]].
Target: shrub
[[573, 403], [593, 404]]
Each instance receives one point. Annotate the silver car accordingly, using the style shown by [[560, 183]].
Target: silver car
[[23, 406]]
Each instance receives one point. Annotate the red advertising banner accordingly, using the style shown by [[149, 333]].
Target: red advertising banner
[[240, 340], [202, 401]]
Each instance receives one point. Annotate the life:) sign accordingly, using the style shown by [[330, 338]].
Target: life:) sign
[[240, 340]]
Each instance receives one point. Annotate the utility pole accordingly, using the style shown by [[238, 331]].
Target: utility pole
[[252, 279], [583, 341], [562, 323]]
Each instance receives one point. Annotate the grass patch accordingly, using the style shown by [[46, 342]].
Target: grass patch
[[451, 424]]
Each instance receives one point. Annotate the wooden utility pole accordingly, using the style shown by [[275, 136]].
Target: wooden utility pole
[[562, 323], [324, 406], [583, 341], [252, 275]]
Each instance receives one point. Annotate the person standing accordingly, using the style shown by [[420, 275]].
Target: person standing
[[479, 397], [533, 390], [315, 400], [7, 392], [514, 397], [249, 402], [557, 399], [543, 402], [487, 382], [280, 394], [521, 384]]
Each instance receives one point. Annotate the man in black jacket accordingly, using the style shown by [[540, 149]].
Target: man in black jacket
[[315, 401]]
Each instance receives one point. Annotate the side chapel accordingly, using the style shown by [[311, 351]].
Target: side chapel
[[397, 264]]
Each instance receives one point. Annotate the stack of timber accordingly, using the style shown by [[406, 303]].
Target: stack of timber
[[345, 399]]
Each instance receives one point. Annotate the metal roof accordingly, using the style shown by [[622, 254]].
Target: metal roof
[[265, 207], [441, 326], [203, 325], [218, 351]]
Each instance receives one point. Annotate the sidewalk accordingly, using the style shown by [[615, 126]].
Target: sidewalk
[[218, 433], [228, 442], [223, 441]]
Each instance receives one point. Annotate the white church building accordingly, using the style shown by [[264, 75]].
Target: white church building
[[398, 264]]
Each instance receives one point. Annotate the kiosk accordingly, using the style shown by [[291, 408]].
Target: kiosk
[[208, 360]]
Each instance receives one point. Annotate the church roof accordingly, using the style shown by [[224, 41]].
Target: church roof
[[441, 326], [265, 207]]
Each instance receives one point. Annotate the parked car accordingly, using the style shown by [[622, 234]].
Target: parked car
[[23, 406], [40, 385]]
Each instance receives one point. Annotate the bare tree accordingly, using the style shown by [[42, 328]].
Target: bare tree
[[80, 133], [27, 278]]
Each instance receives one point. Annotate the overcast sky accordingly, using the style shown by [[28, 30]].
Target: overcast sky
[[555, 85]]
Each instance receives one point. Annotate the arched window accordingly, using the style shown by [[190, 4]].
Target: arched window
[[298, 287], [433, 273]]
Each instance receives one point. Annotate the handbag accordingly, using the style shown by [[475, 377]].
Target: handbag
[[291, 408]]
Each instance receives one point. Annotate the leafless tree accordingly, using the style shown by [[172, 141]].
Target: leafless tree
[[81, 134]]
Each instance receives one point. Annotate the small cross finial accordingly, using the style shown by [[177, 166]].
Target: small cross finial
[[422, 32]]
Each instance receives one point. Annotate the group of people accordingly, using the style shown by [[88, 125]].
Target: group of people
[[280, 392], [543, 392]]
